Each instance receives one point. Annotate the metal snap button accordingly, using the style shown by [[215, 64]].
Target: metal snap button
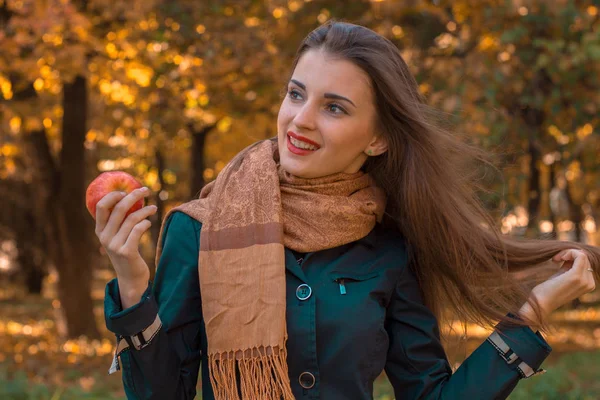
[[307, 380], [303, 292]]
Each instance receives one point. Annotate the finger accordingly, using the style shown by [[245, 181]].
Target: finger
[[571, 254], [580, 261], [558, 256], [104, 207], [133, 241], [118, 213], [130, 222]]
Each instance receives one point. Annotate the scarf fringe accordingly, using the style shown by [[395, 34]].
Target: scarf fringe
[[262, 377]]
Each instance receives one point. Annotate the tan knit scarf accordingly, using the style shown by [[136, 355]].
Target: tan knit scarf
[[249, 214]]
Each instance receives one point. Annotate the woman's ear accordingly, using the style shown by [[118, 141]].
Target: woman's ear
[[377, 146]]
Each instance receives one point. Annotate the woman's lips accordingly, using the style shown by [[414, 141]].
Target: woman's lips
[[297, 150], [303, 139]]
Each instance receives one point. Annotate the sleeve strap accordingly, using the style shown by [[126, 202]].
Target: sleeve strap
[[137, 341], [511, 357]]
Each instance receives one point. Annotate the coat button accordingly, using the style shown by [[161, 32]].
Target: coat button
[[307, 380], [303, 291]]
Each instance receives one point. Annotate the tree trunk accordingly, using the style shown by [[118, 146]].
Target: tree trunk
[[575, 212], [17, 215], [551, 183], [29, 249], [72, 220], [160, 205], [533, 205], [61, 201], [197, 159]]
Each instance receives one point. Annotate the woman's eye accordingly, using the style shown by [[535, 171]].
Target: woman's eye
[[336, 108], [294, 94]]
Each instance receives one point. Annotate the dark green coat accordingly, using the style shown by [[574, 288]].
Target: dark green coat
[[364, 314]]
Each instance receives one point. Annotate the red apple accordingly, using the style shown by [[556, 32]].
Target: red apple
[[108, 182]]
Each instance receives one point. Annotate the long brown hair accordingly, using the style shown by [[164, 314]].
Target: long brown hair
[[462, 261]]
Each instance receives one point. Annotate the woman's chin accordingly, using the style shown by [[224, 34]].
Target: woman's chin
[[298, 169]]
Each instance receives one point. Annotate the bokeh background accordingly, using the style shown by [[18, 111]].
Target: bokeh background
[[170, 90]]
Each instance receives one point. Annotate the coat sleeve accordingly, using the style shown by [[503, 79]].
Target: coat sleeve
[[168, 367], [417, 366]]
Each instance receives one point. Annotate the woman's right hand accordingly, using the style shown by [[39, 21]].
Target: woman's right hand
[[120, 236]]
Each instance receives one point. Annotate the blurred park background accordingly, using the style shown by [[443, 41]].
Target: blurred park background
[[170, 90]]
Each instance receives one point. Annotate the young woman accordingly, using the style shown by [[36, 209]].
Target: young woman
[[320, 258]]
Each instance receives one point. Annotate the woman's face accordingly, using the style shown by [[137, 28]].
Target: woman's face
[[326, 123]]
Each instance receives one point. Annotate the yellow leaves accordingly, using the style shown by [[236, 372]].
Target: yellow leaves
[[592, 10], [143, 133], [397, 31], [82, 33], [446, 40], [224, 124], [104, 86], [460, 11], [200, 29], [9, 150], [278, 12], [15, 124], [169, 177], [488, 43], [53, 38], [47, 123], [117, 140], [58, 111], [573, 171], [140, 168], [10, 166], [16, 328], [562, 138], [6, 88], [558, 135], [323, 16], [91, 136], [584, 131], [33, 124], [139, 73], [203, 100], [272, 49], [151, 179], [504, 56], [118, 92], [200, 87], [156, 47], [294, 5], [251, 22], [208, 174], [38, 84], [111, 50]]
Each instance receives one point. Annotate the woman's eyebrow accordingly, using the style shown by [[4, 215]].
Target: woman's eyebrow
[[326, 95]]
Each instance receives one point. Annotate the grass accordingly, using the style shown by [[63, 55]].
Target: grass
[[36, 365], [570, 376]]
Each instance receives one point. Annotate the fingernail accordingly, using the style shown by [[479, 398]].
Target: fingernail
[[122, 193], [144, 189]]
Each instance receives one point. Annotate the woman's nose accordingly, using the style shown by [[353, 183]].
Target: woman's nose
[[306, 117]]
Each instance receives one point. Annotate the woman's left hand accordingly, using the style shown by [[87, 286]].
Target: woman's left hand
[[574, 278]]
